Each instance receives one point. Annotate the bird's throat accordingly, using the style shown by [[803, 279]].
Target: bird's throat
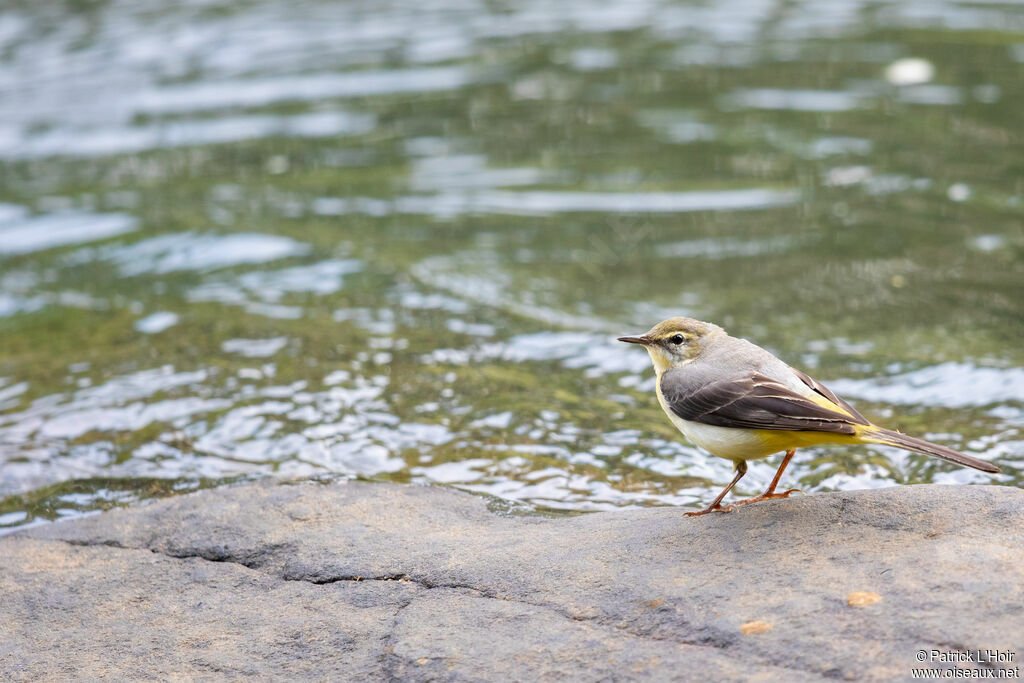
[[661, 363]]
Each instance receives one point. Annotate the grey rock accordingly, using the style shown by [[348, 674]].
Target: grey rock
[[364, 581]]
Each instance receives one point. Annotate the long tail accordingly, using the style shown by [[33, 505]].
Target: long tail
[[891, 438]]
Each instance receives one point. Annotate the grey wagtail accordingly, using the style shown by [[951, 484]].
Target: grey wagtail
[[739, 402]]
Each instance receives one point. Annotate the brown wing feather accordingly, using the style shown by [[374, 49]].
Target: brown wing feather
[[822, 390], [751, 402]]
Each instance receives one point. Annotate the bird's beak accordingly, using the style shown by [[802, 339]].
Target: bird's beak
[[643, 339]]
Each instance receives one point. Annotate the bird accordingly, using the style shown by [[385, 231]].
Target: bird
[[740, 402]]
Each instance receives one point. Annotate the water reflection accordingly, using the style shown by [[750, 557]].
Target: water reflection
[[262, 92], [100, 141], [192, 251], [797, 100], [155, 323], [321, 239], [952, 385], [21, 233]]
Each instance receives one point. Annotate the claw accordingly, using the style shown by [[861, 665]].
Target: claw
[[711, 508], [768, 496]]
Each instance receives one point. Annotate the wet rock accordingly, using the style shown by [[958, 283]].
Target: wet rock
[[359, 580]]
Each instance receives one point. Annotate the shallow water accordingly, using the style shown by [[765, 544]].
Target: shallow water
[[397, 241]]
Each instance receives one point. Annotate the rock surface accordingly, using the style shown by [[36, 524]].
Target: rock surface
[[379, 581]]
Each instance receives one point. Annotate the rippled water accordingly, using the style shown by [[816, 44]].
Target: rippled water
[[398, 240]]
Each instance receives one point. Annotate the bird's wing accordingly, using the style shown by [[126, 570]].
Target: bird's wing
[[822, 390], [751, 401]]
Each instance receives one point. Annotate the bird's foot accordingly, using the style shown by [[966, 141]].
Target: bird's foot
[[768, 496], [712, 508]]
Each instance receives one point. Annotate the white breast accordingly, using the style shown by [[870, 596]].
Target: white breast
[[725, 442]]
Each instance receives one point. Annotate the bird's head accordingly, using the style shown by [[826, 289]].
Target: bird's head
[[675, 342]]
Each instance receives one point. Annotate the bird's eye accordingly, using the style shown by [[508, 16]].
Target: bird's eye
[[677, 339]]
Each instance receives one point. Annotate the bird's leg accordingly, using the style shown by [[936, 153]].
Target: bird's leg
[[770, 492], [741, 469]]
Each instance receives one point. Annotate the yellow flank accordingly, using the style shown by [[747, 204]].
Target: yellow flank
[[784, 440], [806, 438], [865, 433], [781, 440]]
